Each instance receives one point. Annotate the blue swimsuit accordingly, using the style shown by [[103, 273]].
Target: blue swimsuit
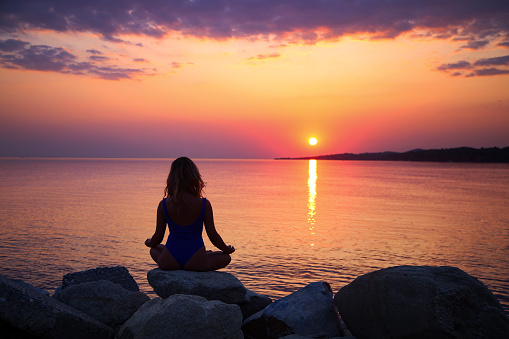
[[184, 241]]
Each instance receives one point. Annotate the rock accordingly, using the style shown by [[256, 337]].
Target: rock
[[103, 300], [118, 275], [25, 310], [421, 302], [35, 289], [212, 285], [257, 302], [307, 312], [296, 336], [184, 316], [259, 326]]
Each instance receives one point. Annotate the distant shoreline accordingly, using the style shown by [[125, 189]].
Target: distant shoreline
[[460, 154]]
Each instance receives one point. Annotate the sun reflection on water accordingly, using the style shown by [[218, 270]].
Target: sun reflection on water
[[312, 196]]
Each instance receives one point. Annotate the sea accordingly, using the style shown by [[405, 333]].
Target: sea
[[292, 222]]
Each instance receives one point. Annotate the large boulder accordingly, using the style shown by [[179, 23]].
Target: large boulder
[[184, 316], [28, 312], [212, 285], [309, 311], [118, 275], [103, 300], [421, 302], [257, 302]]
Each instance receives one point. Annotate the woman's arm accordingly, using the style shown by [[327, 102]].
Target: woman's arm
[[210, 228], [158, 236]]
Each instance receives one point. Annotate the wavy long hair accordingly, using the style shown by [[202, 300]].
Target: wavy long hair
[[184, 177]]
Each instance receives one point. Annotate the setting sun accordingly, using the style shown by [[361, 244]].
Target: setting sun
[[313, 141]]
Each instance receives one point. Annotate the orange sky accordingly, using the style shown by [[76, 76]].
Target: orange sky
[[247, 96]]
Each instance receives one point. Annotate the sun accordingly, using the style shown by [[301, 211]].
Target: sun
[[313, 141]]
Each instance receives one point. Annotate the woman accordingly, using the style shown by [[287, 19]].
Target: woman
[[186, 211]]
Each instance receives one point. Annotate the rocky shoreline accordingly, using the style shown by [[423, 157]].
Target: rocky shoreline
[[395, 302]]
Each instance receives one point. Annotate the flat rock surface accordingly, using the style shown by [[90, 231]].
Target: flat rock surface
[[118, 275], [212, 285]]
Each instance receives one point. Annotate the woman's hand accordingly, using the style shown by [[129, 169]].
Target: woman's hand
[[147, 242], [230, 250]]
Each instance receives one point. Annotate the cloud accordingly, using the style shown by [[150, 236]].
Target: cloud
[[304, 20], [99, 58], [12, 45], [176, 65], [40, 58], [477, 67], [476, 44], [498, 61], [18, 54], [478, 24], [458, 65], [140, 60], [491, 71], [265, 56], [278, 46]]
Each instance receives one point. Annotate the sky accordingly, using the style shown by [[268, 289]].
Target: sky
[[251, 78]]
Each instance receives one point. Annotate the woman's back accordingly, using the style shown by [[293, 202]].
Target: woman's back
[[187, 212]]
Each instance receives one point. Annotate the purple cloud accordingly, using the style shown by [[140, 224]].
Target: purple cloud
[[476, 44], [498, 61], [458, 65], [98, 58], [478, 24], [303, 19], [491, 71], [115, 73], [477, 67], [12, 45], [39, 57], [18, 54]]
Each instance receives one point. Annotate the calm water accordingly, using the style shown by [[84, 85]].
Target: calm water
[[292, 222]]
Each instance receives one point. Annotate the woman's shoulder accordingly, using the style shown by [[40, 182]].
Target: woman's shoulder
[[208, 205], [162, 203]]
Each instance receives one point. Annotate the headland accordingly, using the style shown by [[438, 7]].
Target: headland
[[460, 154]]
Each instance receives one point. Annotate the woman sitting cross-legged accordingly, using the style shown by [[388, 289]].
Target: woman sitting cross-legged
[[186, 211]]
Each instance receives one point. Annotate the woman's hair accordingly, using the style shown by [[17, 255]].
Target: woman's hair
[[184, 177]]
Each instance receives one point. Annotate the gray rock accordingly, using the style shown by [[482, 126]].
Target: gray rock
[[35, 289], [307, 312], [421, 302], [257, 302], [103, 300], [184, 316], [118, 275], [32, 313], [212, 285]]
